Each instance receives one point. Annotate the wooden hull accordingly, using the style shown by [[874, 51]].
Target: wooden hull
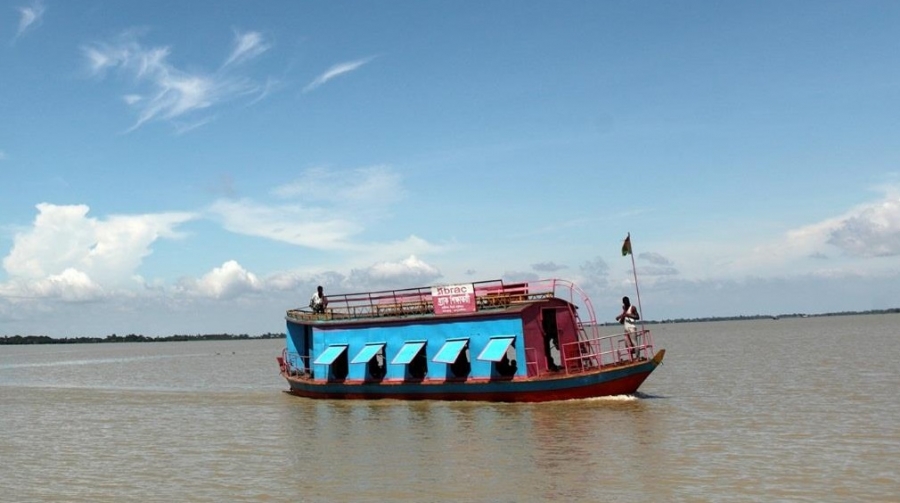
[[619, 380]]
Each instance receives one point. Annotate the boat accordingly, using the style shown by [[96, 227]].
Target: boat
[[484, 341]]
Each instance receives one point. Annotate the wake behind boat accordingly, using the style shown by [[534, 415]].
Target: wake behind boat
[[487, 341]]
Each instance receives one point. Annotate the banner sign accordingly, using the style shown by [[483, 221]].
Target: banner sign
[[450, 299]]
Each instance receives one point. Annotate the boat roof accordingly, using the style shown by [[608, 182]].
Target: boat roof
[[485, 298]]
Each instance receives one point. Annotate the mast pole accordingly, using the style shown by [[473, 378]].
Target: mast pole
[[627, 246]]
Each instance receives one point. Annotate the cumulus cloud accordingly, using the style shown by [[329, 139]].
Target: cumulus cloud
[[383, 275], [874, 231], [70, 285], [335, 71], [30, 17], [226, 282], [407, 273], [164, 92], [868, 230], [849, 241], [65, 248]]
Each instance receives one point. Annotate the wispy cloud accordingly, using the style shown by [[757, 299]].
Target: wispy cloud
[[30, 17], [297, 224], [335, 71], [164, 92], [2, 155], [325, 210], [369, 186], [547, 267], [246, 46]]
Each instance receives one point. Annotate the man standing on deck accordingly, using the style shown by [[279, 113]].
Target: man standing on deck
[[627, 318], [318, 302]]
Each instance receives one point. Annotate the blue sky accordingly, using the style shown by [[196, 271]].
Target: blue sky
[[198, 167]]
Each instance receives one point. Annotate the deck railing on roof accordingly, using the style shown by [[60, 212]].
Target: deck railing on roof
[[493, 294]]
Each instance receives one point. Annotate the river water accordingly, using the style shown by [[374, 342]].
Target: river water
[[788, 410]]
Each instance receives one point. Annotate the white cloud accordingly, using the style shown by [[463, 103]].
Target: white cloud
[[406, 273], [295, 224], [246, 46], [862, 240], [164, 92], [226, 282], [70, 285], [335, 71], [369, 187], [30, 17], [411, 266], [66, 247], [2, 155], [868, 230], [330, 209], [873, 232]]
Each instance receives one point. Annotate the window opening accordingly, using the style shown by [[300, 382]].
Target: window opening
[[455, 353], [412, 354], [373, 356]]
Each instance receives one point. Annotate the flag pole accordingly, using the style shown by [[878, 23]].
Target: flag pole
[[627, 247]]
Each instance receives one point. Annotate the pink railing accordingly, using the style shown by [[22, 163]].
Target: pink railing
[[492, 294], [598, 352]]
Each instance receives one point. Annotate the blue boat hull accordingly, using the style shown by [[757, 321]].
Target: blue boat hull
[[619, 380]]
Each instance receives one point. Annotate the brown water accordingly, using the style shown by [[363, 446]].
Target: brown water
[[787, 410]]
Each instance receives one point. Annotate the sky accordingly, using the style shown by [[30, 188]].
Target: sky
[[175, 167]]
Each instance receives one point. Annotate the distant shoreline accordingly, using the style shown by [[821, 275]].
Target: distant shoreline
[[44, 339], [895, 310]]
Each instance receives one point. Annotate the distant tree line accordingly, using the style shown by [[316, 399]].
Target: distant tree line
[[895, 310], [43, 339]]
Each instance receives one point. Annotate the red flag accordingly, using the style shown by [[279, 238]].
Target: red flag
[[626, 246]]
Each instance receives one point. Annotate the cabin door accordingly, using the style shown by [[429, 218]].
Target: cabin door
[[551, 338]]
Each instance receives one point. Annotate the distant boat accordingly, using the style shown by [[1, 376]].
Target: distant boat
[[487, 341]]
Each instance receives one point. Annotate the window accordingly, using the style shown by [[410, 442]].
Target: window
[[335, 356], [501, 351], [330, 354], [450, 351], [373, 356], [496, 348], [408, 352], [412, 354], [455, 353], [367, 353]]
